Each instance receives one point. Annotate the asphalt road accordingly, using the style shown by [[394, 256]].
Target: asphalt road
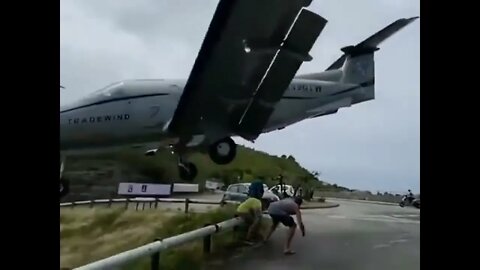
[[352, 236]]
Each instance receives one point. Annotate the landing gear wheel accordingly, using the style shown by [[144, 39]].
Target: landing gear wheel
[[223, 151], [187, 171], [64, 187]]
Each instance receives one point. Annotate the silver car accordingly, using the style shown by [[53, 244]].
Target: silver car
[[239, 193]]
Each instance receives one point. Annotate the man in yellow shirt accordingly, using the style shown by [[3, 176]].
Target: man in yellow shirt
[[251, 209], [251, 212]]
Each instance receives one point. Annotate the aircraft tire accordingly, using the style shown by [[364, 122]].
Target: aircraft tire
[[187, 171], [223, 151]]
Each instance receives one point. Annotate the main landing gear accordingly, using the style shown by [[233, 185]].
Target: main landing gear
[[221, 152]]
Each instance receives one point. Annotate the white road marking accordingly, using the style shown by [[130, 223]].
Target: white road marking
[[390, 243], [381, 218], [398, 241], [337, 216], [400, 216], [381, 246]]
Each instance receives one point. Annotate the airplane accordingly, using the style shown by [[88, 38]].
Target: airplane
[[243, 84]]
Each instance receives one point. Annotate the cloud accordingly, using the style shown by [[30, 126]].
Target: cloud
[[373, 145]]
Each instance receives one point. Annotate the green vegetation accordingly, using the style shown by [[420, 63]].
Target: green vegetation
[[90, 171], [88, 235]]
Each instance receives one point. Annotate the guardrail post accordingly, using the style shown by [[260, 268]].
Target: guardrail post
[[187, 200], [91, 203], [110, 203], [126, 203], [156, 203], [155, 259], [73, 205], [143, 206], [207, 242]]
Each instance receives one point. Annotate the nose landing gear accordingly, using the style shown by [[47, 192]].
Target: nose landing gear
[[64, 183], [64, 187], [187, 170]]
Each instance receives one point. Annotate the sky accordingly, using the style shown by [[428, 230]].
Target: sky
[[370, 146]]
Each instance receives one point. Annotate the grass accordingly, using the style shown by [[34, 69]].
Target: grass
[[91, 234]]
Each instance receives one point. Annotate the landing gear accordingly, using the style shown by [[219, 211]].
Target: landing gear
[[223, 151], [64, 183], [187, 170], [64, 187]]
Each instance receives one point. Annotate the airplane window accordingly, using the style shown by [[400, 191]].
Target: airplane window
[[111, 91]]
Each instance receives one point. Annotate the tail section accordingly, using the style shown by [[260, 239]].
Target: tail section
[[357, 63], [359, 66]]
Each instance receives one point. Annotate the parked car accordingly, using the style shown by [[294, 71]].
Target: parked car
[[239, 193], [277, 190]]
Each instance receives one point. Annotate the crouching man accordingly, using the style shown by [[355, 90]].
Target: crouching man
[[281, 212], [251, 212]]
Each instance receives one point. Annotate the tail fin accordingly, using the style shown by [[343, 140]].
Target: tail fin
[[357, 62]]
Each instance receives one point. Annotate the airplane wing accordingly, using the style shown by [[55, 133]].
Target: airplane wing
[[249, 55]]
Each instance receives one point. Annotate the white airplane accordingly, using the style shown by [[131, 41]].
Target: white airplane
[[242, 84]]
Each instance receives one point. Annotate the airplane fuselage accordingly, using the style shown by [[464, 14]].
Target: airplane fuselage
[[136, 112]]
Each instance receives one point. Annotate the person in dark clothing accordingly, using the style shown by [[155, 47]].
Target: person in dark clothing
[[256, 190], [410, 196]]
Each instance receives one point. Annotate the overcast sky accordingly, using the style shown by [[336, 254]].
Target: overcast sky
[[373, 145]]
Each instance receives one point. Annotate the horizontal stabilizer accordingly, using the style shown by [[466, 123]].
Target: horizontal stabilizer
[[371, 44]]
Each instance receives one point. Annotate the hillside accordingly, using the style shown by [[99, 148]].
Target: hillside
[[98, 175]]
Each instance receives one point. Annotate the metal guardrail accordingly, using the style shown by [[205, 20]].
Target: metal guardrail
[[153, 202], [154, 249], [363, 201]]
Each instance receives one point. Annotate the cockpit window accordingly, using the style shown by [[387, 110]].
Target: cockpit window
[[110, 91]]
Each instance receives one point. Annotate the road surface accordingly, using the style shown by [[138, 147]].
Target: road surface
[[352, 236]]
